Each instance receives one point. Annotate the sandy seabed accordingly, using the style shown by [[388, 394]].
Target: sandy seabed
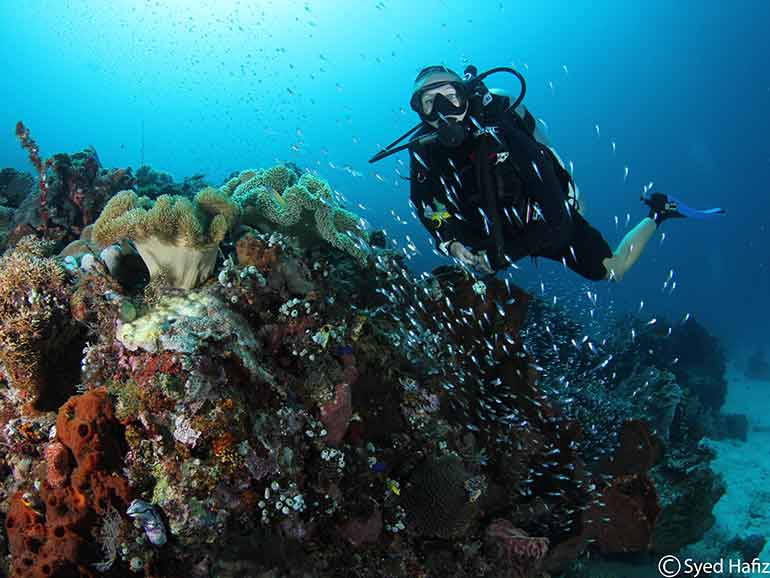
[[745, 508]]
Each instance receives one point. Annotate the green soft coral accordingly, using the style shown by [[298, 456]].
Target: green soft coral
[[177, 238], [276, 197]]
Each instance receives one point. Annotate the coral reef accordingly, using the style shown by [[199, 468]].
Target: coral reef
[[37, 333], [14, 187], [72, 190], [152, 183], [316, 407], [686, 510], [177, 239], [296, 204]]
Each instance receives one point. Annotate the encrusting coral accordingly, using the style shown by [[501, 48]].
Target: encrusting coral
[[35, 324], [278, 197], [177, 239]]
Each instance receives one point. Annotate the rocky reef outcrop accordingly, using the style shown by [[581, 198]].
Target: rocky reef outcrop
[[311, 406]]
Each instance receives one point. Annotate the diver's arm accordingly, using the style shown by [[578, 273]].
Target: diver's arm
[[423, 194]]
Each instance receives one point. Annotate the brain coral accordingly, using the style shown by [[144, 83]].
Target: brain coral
[[438, 501]]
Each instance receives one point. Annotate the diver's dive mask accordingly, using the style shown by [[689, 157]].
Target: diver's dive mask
[[443, 105], [439, 99], [447, 112]]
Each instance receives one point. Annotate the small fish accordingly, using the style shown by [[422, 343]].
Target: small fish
[[418, 158], [598, 134], [278, 197], [516, 214], [613, 148], [537, 171], [486, 221], [625, 173]]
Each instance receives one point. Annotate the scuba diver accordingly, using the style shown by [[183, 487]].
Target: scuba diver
[[490, 189]]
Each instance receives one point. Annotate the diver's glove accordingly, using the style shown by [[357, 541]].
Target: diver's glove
[[466, 257], [661, 207]]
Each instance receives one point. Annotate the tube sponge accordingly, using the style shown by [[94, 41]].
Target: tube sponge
[[278, 197], [176, 237]]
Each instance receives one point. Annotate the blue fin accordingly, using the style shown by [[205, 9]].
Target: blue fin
[[696, 213]]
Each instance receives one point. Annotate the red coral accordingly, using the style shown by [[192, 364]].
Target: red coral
[[52, 533], [336, 413]]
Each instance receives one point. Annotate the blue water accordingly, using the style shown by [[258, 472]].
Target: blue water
[[682, 88]]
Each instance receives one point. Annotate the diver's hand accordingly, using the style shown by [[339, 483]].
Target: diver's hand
[[466, 257]]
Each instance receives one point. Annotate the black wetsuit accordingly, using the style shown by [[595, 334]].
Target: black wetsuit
[[529, 201]]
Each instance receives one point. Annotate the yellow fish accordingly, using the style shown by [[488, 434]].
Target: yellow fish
[[278, 197]]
